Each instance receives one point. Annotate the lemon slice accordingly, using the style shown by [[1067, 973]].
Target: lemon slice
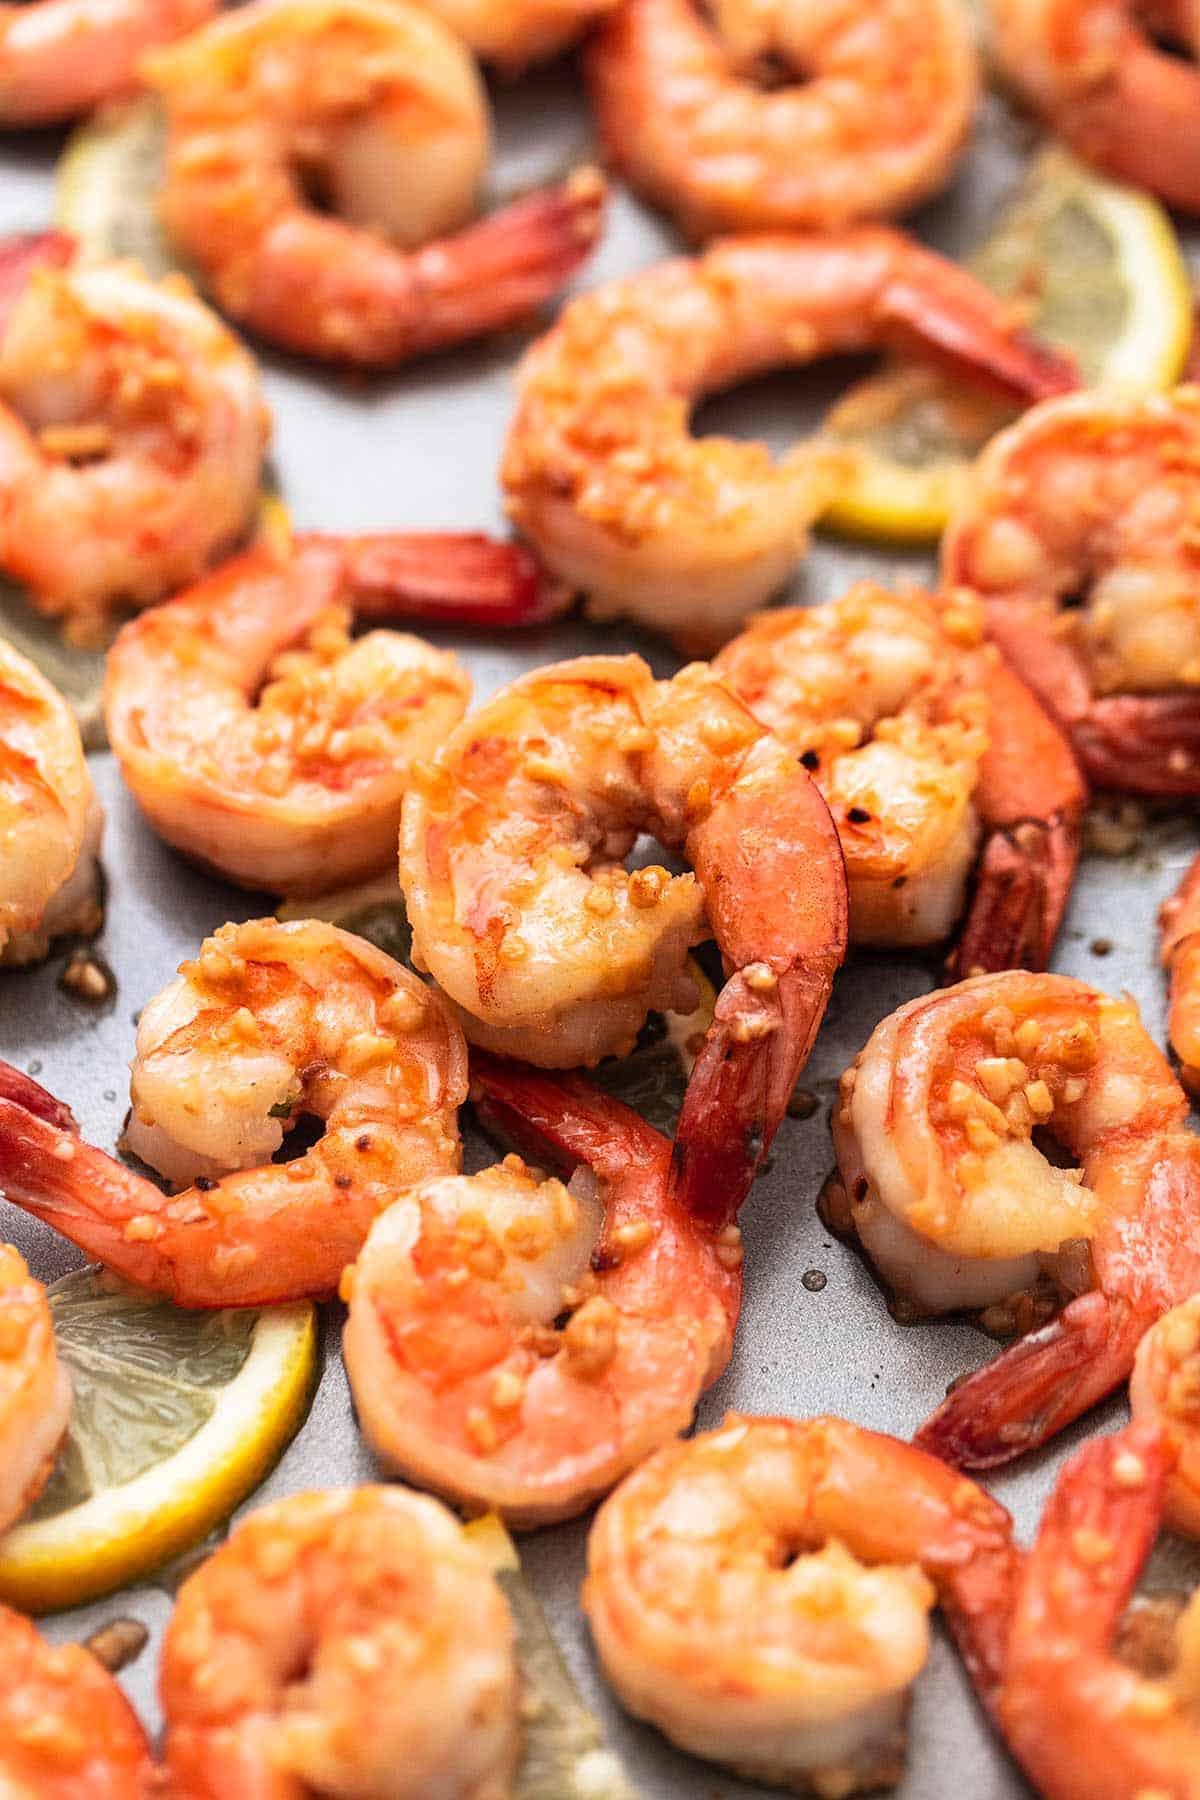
[[107, 183], [564, 1756], [1096, 268], [176, 1417]]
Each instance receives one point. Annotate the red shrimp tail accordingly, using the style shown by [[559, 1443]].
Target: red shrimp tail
[[1142, 744], [23, 1091], [1032, 1390], [978, 1604], [741, 1083], [48, 1171], [1023, 885], [448, 578], [23, 252], [947, 312], [563, 1119], [494, 274]]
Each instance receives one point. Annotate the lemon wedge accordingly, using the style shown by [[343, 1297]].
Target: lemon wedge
[[1097, 270], [176, 1417], [106, 183]]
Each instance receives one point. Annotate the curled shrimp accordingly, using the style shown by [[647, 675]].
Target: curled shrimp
[[871, 119], [1093, 71], [50, 819], [35, 1390], [689, 535], [1164, 1390], [380, 104], [514, 33], [954, 1200], [511, 859], [1181, 954], [258, 737], [1092, 498], [517, 1344], [59, 58], [132, 432], [936, 762], [1083, 1725], [67, 1732], [269, 1024], [760, 1593], [348, 1642]]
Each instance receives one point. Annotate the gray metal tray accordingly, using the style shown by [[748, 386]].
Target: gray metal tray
[[421, 449]]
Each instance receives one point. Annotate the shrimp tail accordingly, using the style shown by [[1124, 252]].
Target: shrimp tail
[[448, 578], [1033, 1389], [23, 252], [1022, 888], [944, 310], [27, 1093], [494, 274], [1142, 744], [770, 1010], [562, 1119]]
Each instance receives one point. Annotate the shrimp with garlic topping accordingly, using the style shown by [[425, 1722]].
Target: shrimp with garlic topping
[[67, 1732], [937, 763], [761, 1593], [518, 1344], [939, 1137], [271, 1023], [512, 856], [1180, 920]]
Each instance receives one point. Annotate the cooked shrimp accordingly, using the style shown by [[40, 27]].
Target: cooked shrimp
[[511, 858], [517, 1344], [67, 1731], [1094, 73], [872, 117], [1164, 1389], [59, 58], [258, 737], [132, 432], [1181, 954], [935, 761], [379, 105], [1083, 1725], [514, 35], [953, 1199], [761, 1592], [1092, 499], [50, 819], [689, 535], [350, 1642], [270, 1023], [35, 1390]]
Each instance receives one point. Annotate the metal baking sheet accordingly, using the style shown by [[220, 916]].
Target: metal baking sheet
[[421, 449]]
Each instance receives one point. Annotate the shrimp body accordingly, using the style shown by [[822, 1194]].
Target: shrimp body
[[378, 102], [50, 820], [1181, 954], [1164, 1390], [1091, 498], [874, 113], [59, 58], [514, 35], [270, 1022], [956, 1205], [760, 1593], [1094, 73], [480, 1387], [350, 1642], [689, 535], [259, 737], [1083, 1725], [67, 1731], [35, 1390], [925, 749], [511, 858], [132, 432]]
